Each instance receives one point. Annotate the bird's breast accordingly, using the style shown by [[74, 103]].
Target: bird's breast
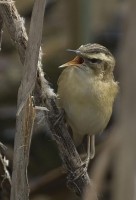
[[85, 100]]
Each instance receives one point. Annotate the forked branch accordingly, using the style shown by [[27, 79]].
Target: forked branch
[[44, 95]]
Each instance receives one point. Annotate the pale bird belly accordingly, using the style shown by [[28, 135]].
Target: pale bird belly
[[86, 119], [83, 104]]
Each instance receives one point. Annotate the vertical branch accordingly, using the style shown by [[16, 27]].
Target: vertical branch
[[1, 30], [26, 114], [5, 180], [125, 169]]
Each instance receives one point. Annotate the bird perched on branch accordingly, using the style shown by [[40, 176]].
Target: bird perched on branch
[[86, 92]]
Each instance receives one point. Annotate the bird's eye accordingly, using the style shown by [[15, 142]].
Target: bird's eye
[[94, 60]]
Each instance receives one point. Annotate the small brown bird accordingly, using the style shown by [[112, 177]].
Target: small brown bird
[[86, 92]]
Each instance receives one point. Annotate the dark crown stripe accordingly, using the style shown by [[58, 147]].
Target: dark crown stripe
[[94, 48]]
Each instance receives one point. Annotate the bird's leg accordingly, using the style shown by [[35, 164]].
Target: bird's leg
[[90, 148], [92, 153]]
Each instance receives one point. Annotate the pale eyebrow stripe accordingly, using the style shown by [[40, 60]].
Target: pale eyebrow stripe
[[102, 56]]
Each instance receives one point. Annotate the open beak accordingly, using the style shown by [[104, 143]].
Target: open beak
[[76, 60]]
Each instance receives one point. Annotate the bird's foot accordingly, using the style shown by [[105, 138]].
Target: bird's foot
[[78, 172], [86, 162]]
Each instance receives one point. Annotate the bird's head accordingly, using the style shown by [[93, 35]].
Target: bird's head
[[95, 56]]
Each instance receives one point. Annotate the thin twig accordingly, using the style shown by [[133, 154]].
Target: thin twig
[[5, 181]]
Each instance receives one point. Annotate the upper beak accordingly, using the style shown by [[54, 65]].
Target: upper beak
[[75, 51]]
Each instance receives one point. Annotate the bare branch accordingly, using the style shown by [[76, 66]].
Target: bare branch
[[26, 115], [1, 30], [124, 186], [77, 177], [44, 96]]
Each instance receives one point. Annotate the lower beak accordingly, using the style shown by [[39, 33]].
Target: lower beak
[[64, 65], [76, 61]]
